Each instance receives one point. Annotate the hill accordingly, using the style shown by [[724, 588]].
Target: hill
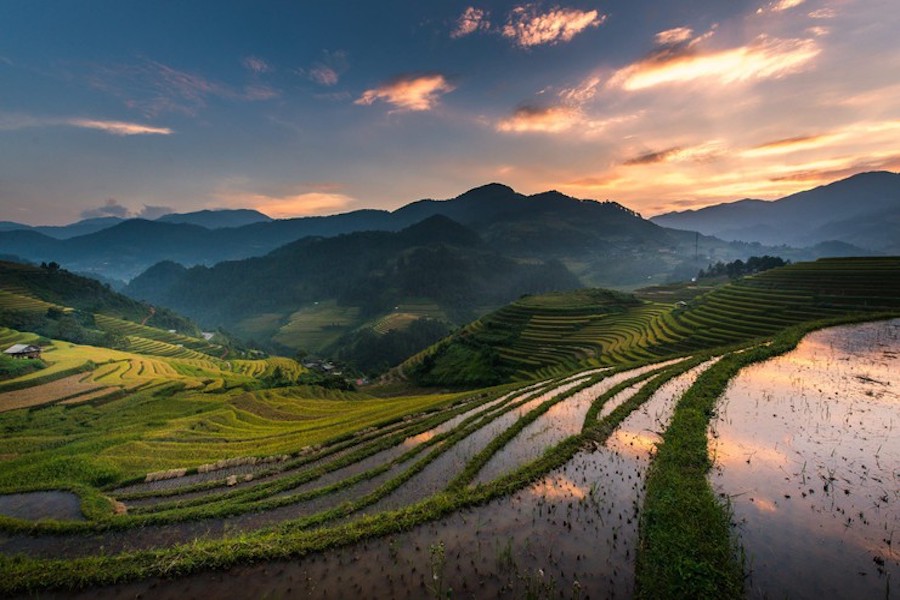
[[547, 335], [604, 243], [309, 293], [55, 303], [863, 210], [217, 219]]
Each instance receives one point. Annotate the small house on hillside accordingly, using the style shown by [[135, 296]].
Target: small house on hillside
[[23, 351]]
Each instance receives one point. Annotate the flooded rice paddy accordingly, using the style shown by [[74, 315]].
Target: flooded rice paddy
[[34, 506], [571, 534], [807, 449]]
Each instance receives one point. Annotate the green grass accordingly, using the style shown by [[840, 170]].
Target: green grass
[[194, 413], [316, 327], [552, 334]]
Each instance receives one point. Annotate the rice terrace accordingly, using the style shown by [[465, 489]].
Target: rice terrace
[[513, 299], [585, 473]]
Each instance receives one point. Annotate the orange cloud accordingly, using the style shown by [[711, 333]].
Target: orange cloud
[[472, 20], [12, 122], [786, 145], [780, 6], [119, 127], [528, 27], [764, 58], [653, 157], [414, 92], [551, 119], [678, 35], [289, 205]]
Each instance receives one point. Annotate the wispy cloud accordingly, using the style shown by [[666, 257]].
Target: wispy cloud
[[256, 64], [780, 6], [527, 26], [288, 205], [764, 58], [471, 20], [154, 88], [118, 127], [324, 75], [550, 119], [410, 92], [787, 145], [677, 35], [648, 158], [327, 71], [11, 122]]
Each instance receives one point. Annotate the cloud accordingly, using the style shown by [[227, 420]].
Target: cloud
[[653, 157], [12, 122], [256, 64], [154, 88], [764, 58], [528, 27], [118, 127], [583, 92], [291, 205], [111, 208], [472, 20], [327, 71], [823, 13], [786, 145], [410, 92], [323, 75], [151, 212], [677, 35], [260, 92], [780, 6], [815, 176], [550, 119]]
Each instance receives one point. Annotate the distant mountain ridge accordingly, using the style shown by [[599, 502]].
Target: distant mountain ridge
[[363, 275], [217, 219], [604, 243], [548, 225], [863, 210]]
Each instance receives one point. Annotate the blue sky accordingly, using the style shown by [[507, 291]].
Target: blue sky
[[297, 108]]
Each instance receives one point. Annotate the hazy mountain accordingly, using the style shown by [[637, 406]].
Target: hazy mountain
[[437, 261], [217, 219], [603, 243], [61, 287], [64, 232], [863, 210]]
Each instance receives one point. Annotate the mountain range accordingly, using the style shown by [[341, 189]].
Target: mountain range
[[862, 210], [603, 243]]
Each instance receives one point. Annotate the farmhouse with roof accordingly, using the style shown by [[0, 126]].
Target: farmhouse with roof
[[23, 351]]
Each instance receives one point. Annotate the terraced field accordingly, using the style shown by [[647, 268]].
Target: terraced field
[[554, 334], [287, 476], [588, 478]]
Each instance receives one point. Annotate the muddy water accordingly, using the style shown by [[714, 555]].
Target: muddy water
[[48, 546], [572, 534], [434, 477], [42, 505], [807, 446], [561, 421]]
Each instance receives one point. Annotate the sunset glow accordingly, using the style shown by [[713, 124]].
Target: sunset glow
[[690, 105]]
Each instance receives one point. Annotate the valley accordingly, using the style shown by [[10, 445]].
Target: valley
[[562, 439]]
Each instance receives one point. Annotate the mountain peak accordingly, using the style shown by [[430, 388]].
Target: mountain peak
[[488, 189]]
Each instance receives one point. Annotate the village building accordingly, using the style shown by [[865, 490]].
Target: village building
[[23, 351]]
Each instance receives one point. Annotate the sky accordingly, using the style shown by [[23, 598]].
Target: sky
[[300, 108]]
